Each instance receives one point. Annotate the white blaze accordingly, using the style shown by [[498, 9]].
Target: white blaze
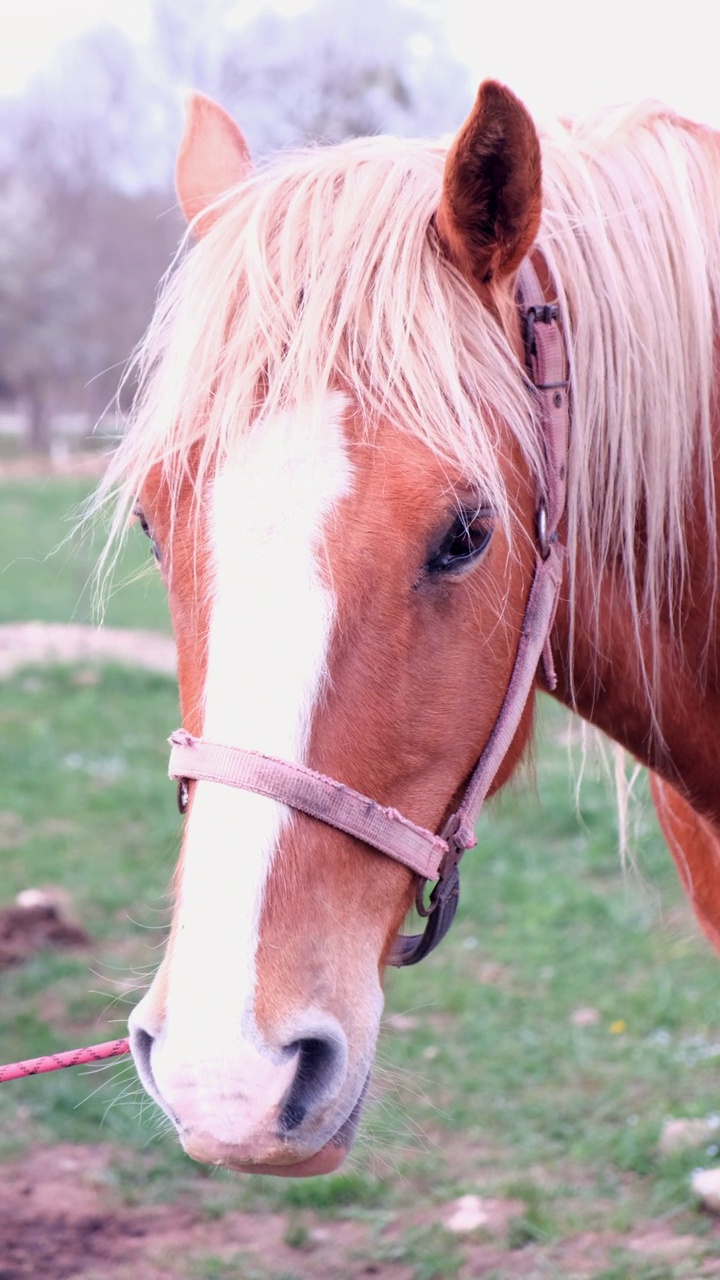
[[270, 621]]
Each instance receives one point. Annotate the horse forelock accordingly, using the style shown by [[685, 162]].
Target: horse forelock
[[323, 272]]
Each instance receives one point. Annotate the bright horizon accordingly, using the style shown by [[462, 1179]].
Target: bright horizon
[[560, 57]]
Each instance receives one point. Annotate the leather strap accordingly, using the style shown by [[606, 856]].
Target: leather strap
[[312, 793], [546, 363]]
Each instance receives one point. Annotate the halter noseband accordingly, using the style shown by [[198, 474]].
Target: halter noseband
[[434, 857]]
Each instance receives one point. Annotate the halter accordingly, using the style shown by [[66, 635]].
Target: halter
[[434, 857]]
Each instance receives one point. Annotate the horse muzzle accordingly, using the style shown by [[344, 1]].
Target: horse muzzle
[[292, 1111], [328, 1159]]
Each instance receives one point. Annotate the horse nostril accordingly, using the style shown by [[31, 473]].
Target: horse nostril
[[293, 1114], [141, 1043], [319, 1063]]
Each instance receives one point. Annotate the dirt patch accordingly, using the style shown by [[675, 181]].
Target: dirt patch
[[24, 644], [25, 930], [55, 1222], [59, 1248], [61, 1218]]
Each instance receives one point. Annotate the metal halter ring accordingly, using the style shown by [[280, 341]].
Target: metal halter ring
[[183, 794], [542, 530]]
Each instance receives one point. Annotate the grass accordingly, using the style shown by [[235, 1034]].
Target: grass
[[487, 1085], [46, 571]]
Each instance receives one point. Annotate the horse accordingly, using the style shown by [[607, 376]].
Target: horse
[[337, 451]]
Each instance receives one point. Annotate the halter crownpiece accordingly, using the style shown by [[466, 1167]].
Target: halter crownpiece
[[431, 856]]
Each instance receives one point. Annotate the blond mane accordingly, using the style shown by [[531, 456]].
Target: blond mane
[[630, 233], [324, 270]]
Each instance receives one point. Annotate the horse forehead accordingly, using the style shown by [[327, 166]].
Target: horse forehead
[[294, 462], [367, 498], [285, 461], [398, 483], [403, 495]]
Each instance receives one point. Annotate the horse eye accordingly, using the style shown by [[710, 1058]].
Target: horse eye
[[140, 517], [466, 540]]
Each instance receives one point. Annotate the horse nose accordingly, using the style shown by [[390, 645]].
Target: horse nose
[[246, 1094]]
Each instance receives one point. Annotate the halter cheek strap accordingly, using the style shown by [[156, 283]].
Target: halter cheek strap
[[431, 856]]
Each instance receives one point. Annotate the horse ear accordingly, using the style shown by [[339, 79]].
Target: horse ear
[[489, 212], [213, 157]]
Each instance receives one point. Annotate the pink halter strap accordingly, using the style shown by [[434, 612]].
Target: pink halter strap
[[434, 857], [312, 793]]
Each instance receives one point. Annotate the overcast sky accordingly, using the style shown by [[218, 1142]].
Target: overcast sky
[[559, 55]]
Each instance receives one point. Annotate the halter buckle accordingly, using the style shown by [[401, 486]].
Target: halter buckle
[[439, 911], [411, 948], [542, 531]]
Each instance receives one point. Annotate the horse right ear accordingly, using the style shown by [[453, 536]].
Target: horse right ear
[[213, 157], [489, 212]]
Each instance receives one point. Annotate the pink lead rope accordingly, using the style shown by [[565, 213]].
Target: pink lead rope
[[70, 1058]]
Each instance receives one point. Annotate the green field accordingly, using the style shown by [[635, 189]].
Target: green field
[[47, 571], [489, 1083]]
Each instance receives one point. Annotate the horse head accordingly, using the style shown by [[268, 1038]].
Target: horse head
[[337, 466]]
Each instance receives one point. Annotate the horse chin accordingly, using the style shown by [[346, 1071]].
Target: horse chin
[[329, 1158], [326, 1160]]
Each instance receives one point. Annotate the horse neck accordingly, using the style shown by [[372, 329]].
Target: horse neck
[[632, 242], [670, 723]]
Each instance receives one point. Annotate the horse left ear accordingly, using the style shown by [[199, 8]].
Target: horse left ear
[[489, 212], [213, 157]]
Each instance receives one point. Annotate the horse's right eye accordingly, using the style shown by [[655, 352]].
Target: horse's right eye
[[465, 542]]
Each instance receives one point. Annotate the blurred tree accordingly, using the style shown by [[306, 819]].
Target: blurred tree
[[76, 292], [87, 216], [41, 306], [83, 237], [95, 117], [337, 69]]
